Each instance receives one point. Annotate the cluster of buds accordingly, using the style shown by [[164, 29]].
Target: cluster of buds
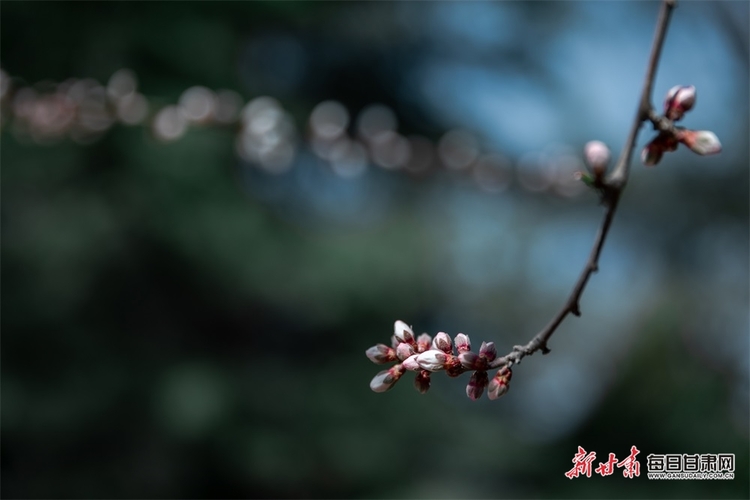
[[425, 355], [679, 100]]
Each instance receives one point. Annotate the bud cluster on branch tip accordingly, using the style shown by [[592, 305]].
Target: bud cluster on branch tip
[[679, 100], [425, 355]]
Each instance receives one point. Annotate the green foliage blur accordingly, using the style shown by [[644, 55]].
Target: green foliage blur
[[176, 324]]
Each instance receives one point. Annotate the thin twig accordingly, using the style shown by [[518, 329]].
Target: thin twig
[[611, 190]]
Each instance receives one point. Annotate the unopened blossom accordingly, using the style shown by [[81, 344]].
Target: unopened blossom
[[680, 98], [463, 343], [488, 351], [423, 343], [472, 361], [499, 384], [597, 157], [453, 366], [476, 385], [468, 360], [432, 360], [422, 381], [404, 350], [443, 342], [703, 142], [387, 378], [654, 150], [411, 364], [380, 354], [651, 154], [403, 332]]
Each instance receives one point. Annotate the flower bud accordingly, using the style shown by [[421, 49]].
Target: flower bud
[[403, 351], [499, 384], [394, 342], [443, 342], [432, 360], [488, 351], [468, 360], [403, 332], [680, 98], [477, 383], [463, 343], [597, 157], [453, 367], [423, 342], [422, 381], [411, 364], [703, 142], [380, 354], [386, 379], [652, 153]]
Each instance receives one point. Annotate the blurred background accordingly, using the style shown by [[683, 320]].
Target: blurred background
[[210, 211]]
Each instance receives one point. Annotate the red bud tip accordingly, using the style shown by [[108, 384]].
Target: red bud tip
[[680, 98], [499, 384]]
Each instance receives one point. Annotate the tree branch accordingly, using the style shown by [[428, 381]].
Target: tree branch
[[611, 190]]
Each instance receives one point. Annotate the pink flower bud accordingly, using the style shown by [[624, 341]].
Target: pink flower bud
[[703, 142], [432, 360], [488, 351], [652, 153], [463, 343], [403, 332], [411, 364], [477, 383], [680, 98], [499, 384], [453, 367], [423, 342], [443, 342], [386, 379], [468, 360], [597, 157], [380, 354], [403, 351], [422, 381]]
